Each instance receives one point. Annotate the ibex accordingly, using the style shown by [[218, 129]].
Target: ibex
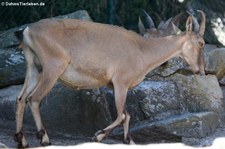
[[87, 55], [169, 27]]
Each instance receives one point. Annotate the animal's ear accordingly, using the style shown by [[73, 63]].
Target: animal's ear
[[196, 24], [141, 26], [189, 25]]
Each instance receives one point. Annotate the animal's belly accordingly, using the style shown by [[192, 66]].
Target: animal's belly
[[79, 80]]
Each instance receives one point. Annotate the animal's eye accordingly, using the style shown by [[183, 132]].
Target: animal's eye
[[201, 44]]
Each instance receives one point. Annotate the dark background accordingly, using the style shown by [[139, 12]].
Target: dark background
[[119, 12]]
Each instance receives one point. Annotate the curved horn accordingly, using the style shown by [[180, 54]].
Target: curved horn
[[160, 26], [166, 24], [141, 26], [196, 24], [176, 30], [176, 19], [148, 19], [202, 26]]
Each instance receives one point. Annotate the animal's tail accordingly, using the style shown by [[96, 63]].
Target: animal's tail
[[19, 36]]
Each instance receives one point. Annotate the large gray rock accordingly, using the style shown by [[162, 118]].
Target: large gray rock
[[222, 81], [76, 111], [12, 67], [201, 93], [215, 62], [157, 99], [64, 110], [173, 129], [159, 109], [172, 66], [8, 102], [12, 62], [80, 14], [153, 100]]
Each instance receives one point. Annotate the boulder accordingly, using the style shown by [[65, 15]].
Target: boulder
[[201, 93], [172, 66], [76, 111], [173, 129], [12, 61], [80, 14], [222, 81], [12, 67], [160, 110], [215, 62], [8, 102], [64, 110], [153, 100]]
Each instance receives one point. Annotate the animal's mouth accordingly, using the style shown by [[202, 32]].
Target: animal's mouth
[[197, 70]]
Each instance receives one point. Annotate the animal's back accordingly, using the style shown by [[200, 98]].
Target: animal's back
[[96, 50]]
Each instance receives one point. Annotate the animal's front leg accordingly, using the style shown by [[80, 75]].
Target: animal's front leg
[[120, 91], [127, 137]]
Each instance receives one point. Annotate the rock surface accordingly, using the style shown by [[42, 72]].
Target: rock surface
[[12, 67], [201, 93], [69, 111], [153, 100], [86, 111], [173, 129], [215, 63]]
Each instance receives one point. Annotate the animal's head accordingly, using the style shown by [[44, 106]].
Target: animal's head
[[193, 47]]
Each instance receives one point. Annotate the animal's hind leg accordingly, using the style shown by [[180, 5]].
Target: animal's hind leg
[[41, 134], [120, 91], [19, 136], [47, 81], [31, 80]]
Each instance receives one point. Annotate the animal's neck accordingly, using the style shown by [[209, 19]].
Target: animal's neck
[[159, 50]]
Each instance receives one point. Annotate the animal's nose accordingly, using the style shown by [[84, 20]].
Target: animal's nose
[[202, 72], [197, 71]]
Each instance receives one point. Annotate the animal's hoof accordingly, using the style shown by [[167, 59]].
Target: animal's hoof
[[94, 139], [129, 140], [40, 134], [18, 137], [126, 141], [21, 146], [99, 135], [45, 143]]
